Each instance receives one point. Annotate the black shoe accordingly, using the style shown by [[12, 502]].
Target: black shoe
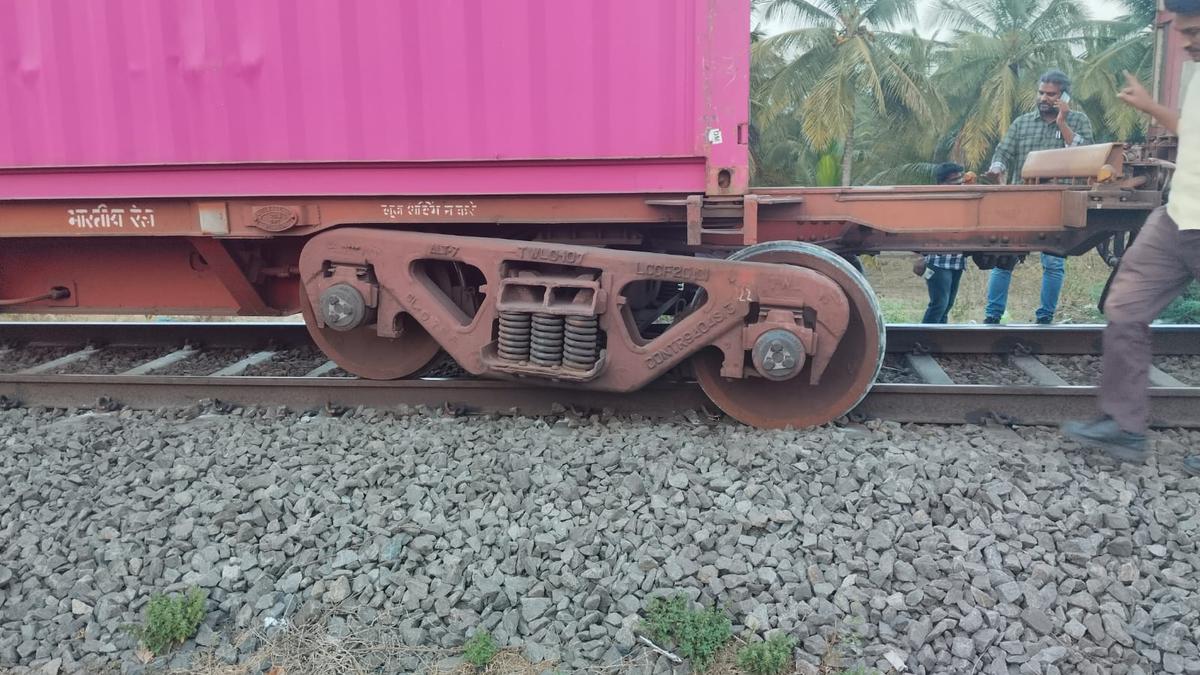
[[991, 320], [1042, 321], [1104, 433]]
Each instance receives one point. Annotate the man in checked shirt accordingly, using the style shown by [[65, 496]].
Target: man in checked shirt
[[1053, 125], [942, 271]]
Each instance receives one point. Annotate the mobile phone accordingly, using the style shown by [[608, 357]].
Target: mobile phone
[[1065, 98]]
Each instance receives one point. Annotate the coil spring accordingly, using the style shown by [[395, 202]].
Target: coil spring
[[546, 344], [581, 343], [514, 335]]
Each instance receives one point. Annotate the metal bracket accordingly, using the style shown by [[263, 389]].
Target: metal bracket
[[750, 220], [695, 219], [214, 217], [745, 209]]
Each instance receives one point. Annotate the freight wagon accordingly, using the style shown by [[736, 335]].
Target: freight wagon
[[526, 186]]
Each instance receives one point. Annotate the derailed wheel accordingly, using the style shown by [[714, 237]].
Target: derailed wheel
[[795, 402], [362, 352]]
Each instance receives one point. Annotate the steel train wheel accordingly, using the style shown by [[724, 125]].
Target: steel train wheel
[[763, 403], [365, 354]]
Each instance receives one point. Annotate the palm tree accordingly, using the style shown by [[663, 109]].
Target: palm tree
[[901, 149], [1112, 47], [780, 155], [999, 47], [839, 57], [776, 145]]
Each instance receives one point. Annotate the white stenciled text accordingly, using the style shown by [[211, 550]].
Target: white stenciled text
[[428, 209], [103, 217]]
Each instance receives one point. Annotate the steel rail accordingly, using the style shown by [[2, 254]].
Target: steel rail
[[901, 338], [907, 403]]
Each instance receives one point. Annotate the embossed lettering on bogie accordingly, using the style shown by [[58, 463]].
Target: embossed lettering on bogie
[[423, 315], [444, 250], [551, 255], [689, 337], [674, 272]]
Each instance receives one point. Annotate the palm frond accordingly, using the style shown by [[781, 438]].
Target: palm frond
[[1057, 19], [799, 12], [888, 13], [828, 109], [967, 16]]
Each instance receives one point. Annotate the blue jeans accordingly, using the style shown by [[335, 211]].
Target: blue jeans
[[1052, 281], [943, 288]]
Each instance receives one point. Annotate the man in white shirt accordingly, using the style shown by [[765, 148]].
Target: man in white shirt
[[1164, 258]]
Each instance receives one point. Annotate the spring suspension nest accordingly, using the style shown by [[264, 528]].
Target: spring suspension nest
[[581, 342], [514, 335], [550, 340], [546, 344]]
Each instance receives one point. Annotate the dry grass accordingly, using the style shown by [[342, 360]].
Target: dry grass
[[903, 296], [506, 662], [309, 649]]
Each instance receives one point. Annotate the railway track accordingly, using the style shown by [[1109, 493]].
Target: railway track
[[933, 374]]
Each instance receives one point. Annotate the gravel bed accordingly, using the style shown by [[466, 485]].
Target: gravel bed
[[1186, 369], [291, 363], [982, 369], [895, 370], [442, 365], [25, 357], [964, 369], [112, 360], [205, 362], [954, 549], [1083, 370]]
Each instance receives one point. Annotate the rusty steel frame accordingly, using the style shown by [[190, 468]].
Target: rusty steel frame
[[901, 209], [969, 218], [238, 256]]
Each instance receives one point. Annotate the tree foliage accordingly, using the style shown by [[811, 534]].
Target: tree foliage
[[840, 84], [839, 64]]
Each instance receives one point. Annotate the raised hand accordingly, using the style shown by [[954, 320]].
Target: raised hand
[[1135, 94]]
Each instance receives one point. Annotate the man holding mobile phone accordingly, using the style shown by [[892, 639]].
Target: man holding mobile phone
[[1053, 125]]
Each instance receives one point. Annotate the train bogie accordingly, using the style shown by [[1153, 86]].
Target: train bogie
[[382, 302]]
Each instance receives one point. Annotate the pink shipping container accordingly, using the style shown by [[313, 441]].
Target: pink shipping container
[[291, 97]]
